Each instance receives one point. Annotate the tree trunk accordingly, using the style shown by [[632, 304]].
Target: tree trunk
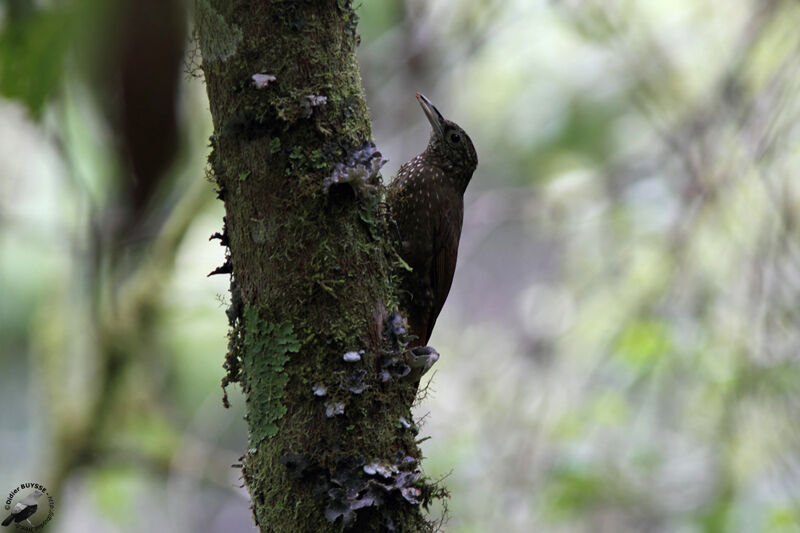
[[317, 354]]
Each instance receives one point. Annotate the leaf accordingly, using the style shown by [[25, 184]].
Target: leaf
[[32, 49]]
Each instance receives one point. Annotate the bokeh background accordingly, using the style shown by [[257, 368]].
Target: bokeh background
[[621, 347]]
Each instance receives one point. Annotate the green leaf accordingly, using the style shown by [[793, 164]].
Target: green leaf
[[32, 48]]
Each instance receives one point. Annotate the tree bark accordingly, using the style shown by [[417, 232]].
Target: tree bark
[[318, 356]]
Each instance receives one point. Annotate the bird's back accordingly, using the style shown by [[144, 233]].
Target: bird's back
[[428, 211], [426, 202]]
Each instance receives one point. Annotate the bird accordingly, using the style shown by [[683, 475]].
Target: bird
[[426, 202], [24, 509]]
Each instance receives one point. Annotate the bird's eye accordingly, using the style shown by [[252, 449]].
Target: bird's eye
[[455, 137]]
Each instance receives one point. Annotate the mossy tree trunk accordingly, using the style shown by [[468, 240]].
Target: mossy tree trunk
[[313, 341]]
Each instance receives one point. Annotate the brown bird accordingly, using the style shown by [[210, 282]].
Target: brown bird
[[426, 200]]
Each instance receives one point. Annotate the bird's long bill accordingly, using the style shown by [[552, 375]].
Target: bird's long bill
[[434, 117]]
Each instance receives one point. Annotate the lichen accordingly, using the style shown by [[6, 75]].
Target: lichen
[[266, 351], [262, 81], [218, 39], [310, 101], [353, 487], [359, 170]]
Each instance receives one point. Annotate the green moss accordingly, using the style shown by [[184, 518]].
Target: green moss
[[318, 159], [266, 351], [275, 145], [218, 39]]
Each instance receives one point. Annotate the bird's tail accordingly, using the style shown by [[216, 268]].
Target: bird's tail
[[8, 520]]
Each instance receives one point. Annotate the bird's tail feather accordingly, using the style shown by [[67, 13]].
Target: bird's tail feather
[[8, 520]]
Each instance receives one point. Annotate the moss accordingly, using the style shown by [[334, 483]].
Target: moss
[[275, 145], [218, 39], [266, 351]]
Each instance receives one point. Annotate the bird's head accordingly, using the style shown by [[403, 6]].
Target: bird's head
[[32, 498], [449, 145]]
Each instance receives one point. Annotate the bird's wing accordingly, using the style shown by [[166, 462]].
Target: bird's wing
[[18, 507], [445, 253], [27, 512]]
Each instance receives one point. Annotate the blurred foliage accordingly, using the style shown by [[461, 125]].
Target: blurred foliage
[[620, 348], [32, 45], [120, 358]]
